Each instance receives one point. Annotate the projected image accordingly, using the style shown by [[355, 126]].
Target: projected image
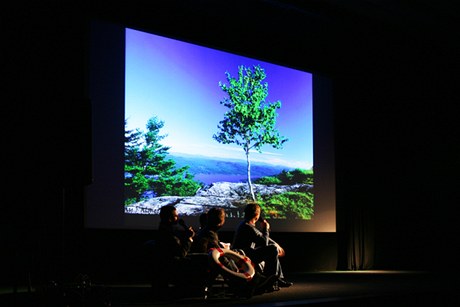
[[208, 128]]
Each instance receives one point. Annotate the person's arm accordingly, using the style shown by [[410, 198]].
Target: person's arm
[[241, 238], [265, 233], [186, 242], [205, 240], [184, 247], [172, 245], [248, 236], [213, 240], [281, 252], [200, 244]]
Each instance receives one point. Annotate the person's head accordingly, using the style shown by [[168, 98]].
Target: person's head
[[168, 214], [216, 218], [252, 212]]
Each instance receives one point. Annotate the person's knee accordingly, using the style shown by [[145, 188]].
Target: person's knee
[[268, 253], [272, 250]]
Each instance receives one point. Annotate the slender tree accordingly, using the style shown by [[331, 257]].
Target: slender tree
[[250, 120]]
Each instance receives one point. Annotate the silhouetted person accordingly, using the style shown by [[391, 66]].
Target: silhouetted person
[[174, 240], [208, 238], [257, 245], [172, 247]]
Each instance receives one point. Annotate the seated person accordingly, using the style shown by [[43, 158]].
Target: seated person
[[208, 238], [257, 245], [174, 240], [172, 247]]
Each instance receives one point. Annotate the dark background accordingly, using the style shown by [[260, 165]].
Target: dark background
[[394, 68]]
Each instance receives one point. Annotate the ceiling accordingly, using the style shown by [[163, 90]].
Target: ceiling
[[417, 17], [351, 28], [330, 32], [420, 17]]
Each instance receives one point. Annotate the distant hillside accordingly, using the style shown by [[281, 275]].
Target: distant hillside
[[209, 170]]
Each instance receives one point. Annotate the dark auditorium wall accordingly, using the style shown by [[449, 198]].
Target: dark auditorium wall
[[395, 122]]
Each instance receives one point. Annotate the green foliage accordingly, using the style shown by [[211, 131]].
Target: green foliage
[[250, 120], [288, 177], [296, 176], [290, 204], [147, 168], [268, 180], [295, 205]]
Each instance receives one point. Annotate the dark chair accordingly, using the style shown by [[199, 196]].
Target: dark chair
[[195, 276], [179, 278]]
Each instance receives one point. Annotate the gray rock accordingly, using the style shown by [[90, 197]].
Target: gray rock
[[231, 196]]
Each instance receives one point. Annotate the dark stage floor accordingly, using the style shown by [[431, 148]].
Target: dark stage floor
[[334, 288]]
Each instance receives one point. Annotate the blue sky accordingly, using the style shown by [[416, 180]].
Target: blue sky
[[179, 83]]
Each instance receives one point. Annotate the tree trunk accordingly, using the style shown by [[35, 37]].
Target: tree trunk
[[249, 176]]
